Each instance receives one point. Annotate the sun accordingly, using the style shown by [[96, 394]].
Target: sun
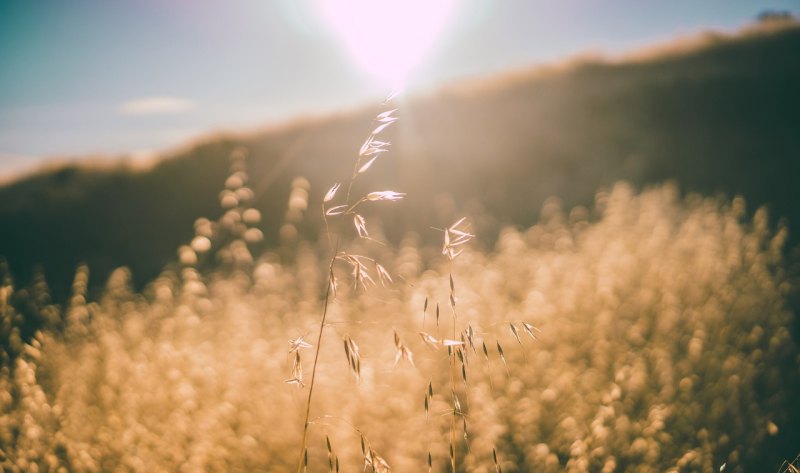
[[388, 38]]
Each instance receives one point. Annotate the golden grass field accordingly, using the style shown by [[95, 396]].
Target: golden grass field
[[664, 346], [650, 331]]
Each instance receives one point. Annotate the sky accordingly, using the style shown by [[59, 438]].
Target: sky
[[133, 77]]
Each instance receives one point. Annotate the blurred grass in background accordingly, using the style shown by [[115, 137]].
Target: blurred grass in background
[[664, 346]]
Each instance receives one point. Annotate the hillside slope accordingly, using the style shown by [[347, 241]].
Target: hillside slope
[[723, 118]]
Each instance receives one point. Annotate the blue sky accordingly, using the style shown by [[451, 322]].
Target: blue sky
[[84, 77]]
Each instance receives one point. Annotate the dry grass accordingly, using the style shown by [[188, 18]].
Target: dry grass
[[790, 466], [664, 346], [651, 334]]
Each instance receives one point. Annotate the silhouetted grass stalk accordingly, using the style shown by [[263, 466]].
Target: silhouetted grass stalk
[[454, 237], [370, 151], [303, 454]]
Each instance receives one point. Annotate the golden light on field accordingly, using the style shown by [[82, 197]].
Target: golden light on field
[[388, 38], [298, 323]]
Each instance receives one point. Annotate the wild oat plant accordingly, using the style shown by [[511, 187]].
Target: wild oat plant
[[649, 334]]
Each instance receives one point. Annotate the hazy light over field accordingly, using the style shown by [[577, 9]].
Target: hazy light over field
[[156, 106], [67, 67], [388, 38]]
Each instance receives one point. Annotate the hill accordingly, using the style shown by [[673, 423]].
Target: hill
[[721, 117]]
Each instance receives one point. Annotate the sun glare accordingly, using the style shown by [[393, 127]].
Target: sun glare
[[388, 38]]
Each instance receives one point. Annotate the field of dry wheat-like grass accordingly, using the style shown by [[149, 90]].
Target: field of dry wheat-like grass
[[649, 334]]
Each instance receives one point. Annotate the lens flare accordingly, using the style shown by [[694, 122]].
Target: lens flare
[[388, 38]]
